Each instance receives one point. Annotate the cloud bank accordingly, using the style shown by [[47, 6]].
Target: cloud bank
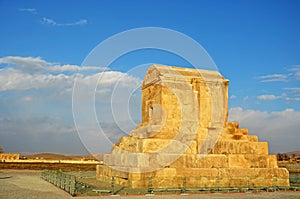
[[36, 102], [280, 129], [291, 74], [36, 108]]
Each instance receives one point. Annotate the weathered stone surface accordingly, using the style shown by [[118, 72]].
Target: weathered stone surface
[[185, 135]]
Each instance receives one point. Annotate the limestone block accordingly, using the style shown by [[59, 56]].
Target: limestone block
[[140, 132], [166, 172], [240, 147], [237, 172], [120, 173], [251, 161], [151, 130], [201, 182], [135, 160], [192, 147], [168, 132], [272, 172], [253, 138], [234, 125], [165, 182], [103, 170], [175, 160], [203, 172], [138, 183], [107, 160], [121, 181], [129, 144], [135, 176], [157, 114], [150, 77], [236, 182], [238, 161], [205, 146], [208, 161], [228, 131], [201, 134], [240, 134], [153, 145], [272, 161], [127, 159], [167, 146], [160, 160], [281, 181]]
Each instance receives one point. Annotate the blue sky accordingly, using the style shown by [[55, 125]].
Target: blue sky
[[255, 44]]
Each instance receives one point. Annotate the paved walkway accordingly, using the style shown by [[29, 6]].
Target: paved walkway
[[26, 184]]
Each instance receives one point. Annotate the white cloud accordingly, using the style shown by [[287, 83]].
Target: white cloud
[[36, 89], [288, 99], [74, 68], [49, 21], [280, 129], [30, 10], [268, 97], [294, 68], [294, 91], [246, 98], [284, 96], [26, 98], [38, 65], [30, 64], [274, 78], [12, 79], [292, 74], [232, 97], [39, 134]]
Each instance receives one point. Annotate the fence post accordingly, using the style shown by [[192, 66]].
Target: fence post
[[150, 188], [184, 185], [113, 185], [72, 185]]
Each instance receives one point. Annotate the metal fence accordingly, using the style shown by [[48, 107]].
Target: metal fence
[[62, 180], [72, 183], [295, 178], [289, 165], [294, 170], [184, 188]]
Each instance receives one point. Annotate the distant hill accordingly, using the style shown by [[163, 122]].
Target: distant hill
[[54, 156], [297, 153], [48, 156]]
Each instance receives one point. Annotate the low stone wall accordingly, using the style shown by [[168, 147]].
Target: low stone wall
[[9, 156]]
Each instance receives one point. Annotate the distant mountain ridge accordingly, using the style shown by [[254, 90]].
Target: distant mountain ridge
[[48, 156], [54, 156], [297, 153]]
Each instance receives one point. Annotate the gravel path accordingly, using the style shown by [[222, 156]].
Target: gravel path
[[27, 184]]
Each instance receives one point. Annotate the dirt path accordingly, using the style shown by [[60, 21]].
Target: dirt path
[[27, 184]]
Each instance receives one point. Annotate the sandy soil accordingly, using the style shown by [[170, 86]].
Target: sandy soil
[[27, 184]]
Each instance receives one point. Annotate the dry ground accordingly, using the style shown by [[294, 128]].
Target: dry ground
[[27, 184]]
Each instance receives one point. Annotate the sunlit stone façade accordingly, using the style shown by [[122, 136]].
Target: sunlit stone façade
[[184, 134]]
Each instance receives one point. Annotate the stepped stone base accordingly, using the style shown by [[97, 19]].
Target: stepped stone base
[[197, 177]]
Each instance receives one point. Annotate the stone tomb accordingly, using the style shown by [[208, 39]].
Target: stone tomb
[[184, 134]]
